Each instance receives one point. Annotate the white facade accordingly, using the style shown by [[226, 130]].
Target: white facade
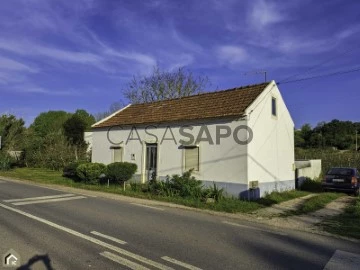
[[268, 158], [271, 153]]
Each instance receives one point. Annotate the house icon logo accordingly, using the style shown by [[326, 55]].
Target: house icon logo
[[11, 259]]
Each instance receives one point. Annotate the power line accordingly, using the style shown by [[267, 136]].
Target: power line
[[319, 65], [323, 75]]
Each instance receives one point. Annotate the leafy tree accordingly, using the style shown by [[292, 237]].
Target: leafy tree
[[74, 129], [11, 132], [87, 118], [162, 85], [49, 122]]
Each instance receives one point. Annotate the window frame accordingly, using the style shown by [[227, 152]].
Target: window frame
[[113, 149], [185, 147], [274, 106]]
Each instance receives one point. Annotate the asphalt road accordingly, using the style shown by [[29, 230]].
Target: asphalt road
[[51, 229]]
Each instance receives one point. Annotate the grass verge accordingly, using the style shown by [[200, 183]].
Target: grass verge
[[229, 205], [314, 203], [346, 224]]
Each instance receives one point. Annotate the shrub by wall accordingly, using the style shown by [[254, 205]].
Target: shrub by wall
[[90, 172], [70, 169], [119, 172], [311, 185]]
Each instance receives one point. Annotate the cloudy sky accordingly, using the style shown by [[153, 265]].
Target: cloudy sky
[[64, 55]]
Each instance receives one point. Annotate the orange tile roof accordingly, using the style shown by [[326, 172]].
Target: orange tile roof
[[226, 103]]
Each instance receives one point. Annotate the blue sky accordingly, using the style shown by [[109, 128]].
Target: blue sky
[[65, 55]]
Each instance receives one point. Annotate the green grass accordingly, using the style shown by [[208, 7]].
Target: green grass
[[279, 197], [346, 224], [226, 205], [315, 203]]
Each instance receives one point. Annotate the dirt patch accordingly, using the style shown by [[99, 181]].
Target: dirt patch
[[278, 209], [307, 222]]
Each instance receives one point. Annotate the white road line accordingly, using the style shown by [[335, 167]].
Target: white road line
[[185, 265], [39, 198], [254, 228], [109, 237], [343, 260], [148, 206], [89, 238], [123, 261], [50, 200]]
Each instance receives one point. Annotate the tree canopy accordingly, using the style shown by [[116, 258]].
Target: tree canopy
[[337, 134], [162, 85], [11, 132]]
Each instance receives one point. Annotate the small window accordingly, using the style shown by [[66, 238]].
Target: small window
[[273, 106], [117, 154], [192, 158]]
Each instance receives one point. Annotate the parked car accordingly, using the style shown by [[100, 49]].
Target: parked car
[[342, 179]]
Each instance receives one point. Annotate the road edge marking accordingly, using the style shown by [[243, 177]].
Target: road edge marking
[[50, 200], [180, 263], [253, 228], [148, 206], [109, 237], [343, 260], [123, 261], [39, 198]]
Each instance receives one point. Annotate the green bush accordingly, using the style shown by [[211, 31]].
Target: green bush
[[70, 169], [213, 192], [5, 161], [185, 186], [311, 185], [119, 172], [90, 172]]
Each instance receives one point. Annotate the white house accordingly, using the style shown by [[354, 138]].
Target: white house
[[242, 139]]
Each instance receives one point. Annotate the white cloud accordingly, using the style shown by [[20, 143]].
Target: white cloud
[[232, 54], [181, 60], [348, 32], [29, 89], [265, 13], [9, 64]]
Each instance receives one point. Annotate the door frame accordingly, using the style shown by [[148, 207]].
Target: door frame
[[144, 155]]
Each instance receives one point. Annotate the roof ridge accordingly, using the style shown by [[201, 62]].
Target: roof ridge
[[204, 93], [223, 103]]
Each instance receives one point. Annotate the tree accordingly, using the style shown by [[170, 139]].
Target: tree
[[87, 118], [49, 122], [162, 85], [74, 129], [114, 107], [11, 132]]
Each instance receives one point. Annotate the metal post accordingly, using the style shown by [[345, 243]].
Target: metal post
[[356, 144]]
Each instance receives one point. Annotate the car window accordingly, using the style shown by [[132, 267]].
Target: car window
[[341, 171]]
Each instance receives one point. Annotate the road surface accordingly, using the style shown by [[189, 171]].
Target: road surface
[[51, 229]]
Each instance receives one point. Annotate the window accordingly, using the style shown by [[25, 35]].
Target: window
[[273, 106], [117, 154], [191, 158]]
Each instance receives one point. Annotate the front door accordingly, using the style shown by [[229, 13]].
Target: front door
[[151, 161]]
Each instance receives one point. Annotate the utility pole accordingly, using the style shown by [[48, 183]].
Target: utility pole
[[257, 72], [356, 144]]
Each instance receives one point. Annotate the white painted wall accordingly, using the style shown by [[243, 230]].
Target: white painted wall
[[268, 158], [271, 152], [88, 139], [308, 168], [226, 162]]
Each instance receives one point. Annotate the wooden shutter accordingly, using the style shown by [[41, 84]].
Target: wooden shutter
[[192, 158]]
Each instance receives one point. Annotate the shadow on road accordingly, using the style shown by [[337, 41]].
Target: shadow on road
[[37, 258]]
